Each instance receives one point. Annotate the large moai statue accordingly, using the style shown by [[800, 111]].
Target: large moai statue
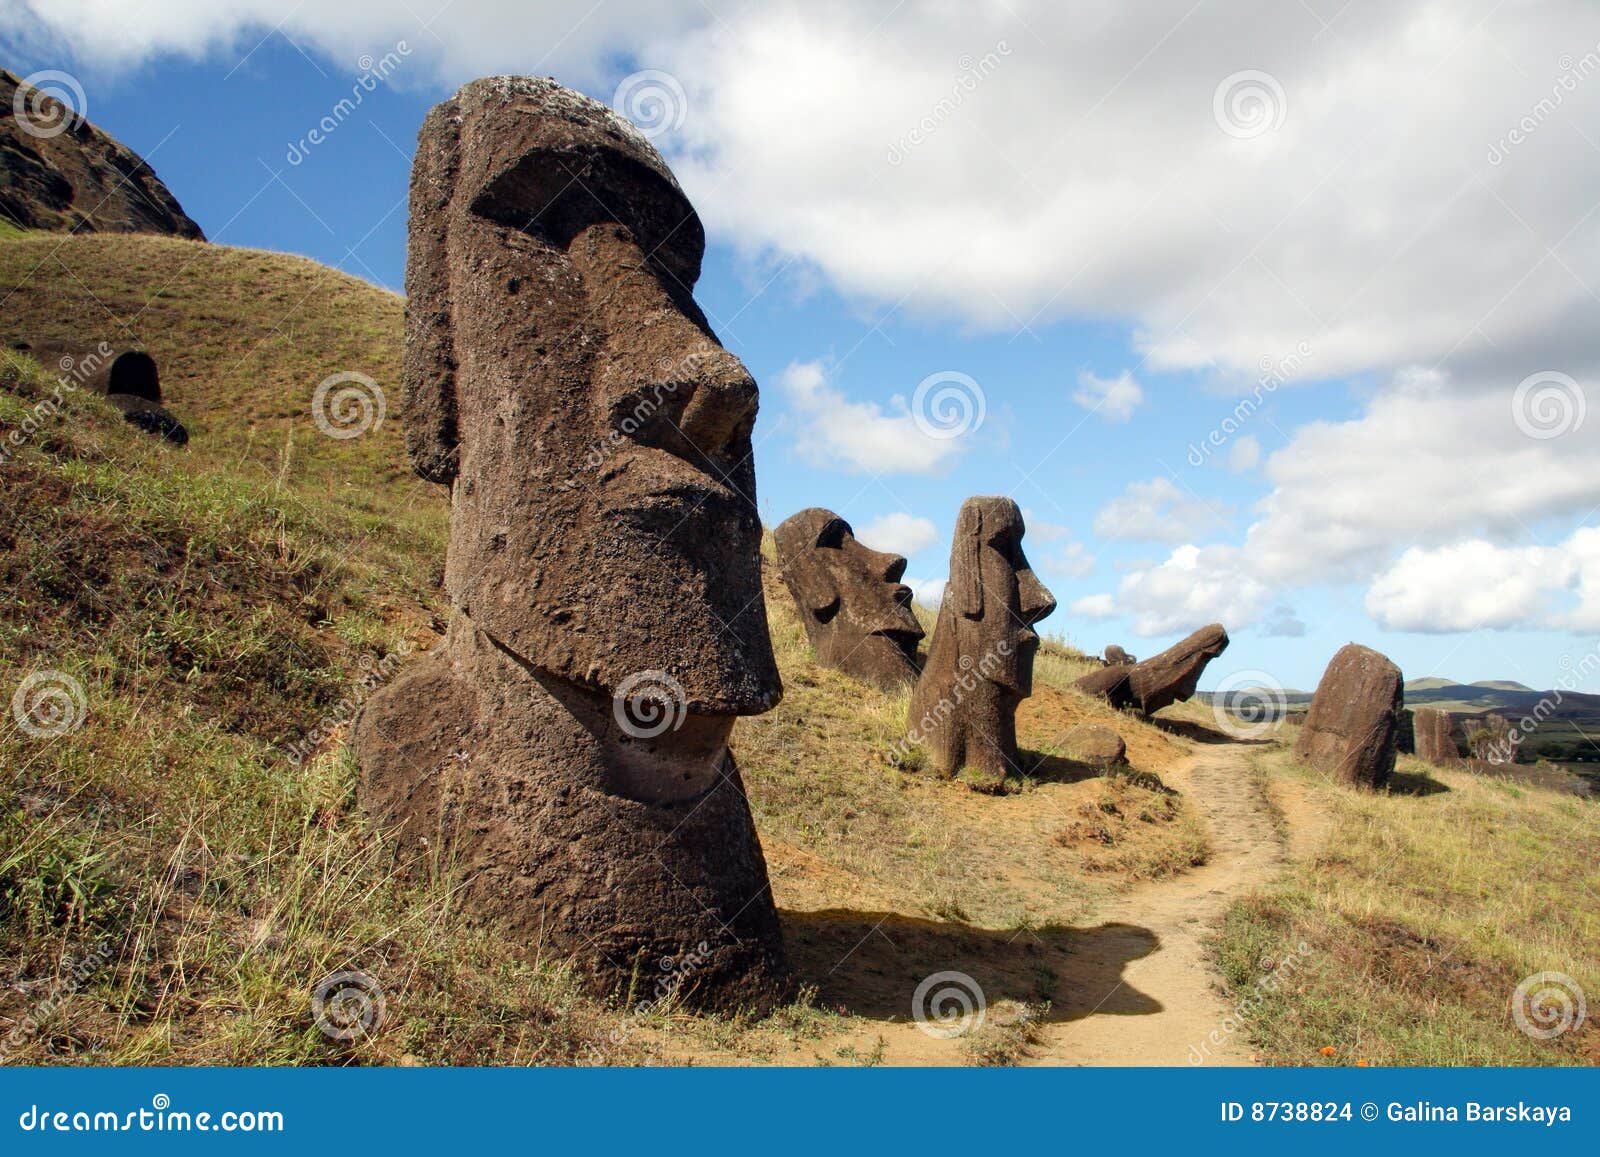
[[980, 664], [564, 753], [855, 610], [1351, 730], [1161, 680]]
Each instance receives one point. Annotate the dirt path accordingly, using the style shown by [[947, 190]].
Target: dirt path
[[1182, 1006], [1136, 989]]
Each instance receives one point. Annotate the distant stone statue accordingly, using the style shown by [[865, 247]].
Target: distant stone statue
[[128, 379], [1161, 680], [854, 608], [565, 750], [1351, 731], [980, 664], [1434, 734], [1117, 657]]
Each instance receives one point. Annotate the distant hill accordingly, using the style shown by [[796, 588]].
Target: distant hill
[[1501, 685], [1430, 683], [73, 178]]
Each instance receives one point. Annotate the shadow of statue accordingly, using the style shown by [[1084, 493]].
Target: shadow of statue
[[871, 963]]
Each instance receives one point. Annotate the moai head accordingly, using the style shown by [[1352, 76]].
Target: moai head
[[562, 381], [994, 598], [980, 665], [856, 611]]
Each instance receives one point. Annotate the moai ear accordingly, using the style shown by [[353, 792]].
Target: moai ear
[[968, 572], [430, 360]]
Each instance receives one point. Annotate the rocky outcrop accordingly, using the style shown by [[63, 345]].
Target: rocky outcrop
[[1352, 729], [1161, 680], [58, 172]]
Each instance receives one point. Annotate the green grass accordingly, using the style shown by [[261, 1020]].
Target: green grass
[[1423, 908]]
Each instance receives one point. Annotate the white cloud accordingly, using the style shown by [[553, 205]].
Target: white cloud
[[1431, 461], [1112, 399], [1071, 560], [899, 533], [1194, 586], [859, 436], [1094, 607], [928, 592], [1476, 584], [1050, 547], [1244, 454], [1387, 219], [1283, 623], [1157, 511]]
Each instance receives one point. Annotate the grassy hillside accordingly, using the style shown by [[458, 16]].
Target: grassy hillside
[[1423, 908], [173, 884], [219, 604]]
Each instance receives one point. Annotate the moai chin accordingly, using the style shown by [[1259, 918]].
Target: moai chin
[[855, 610], [980, 664], [565, 751]]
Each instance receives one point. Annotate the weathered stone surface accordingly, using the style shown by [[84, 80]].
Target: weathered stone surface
[[1350, 731], [1096, 745], [854, 608], [980, 664], [1435, 736], [1116, 657], [566, 747], [1160, 680], [78, 179]]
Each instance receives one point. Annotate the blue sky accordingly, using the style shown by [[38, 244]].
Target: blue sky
[[1111, 266]]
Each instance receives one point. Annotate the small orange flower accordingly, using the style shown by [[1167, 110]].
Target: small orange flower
[[1327, 1050], [1363, 1063]]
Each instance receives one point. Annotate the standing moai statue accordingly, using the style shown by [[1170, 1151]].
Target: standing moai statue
[[1434, 733], [980, 664], [1351, 731], [855, 610], [565, 751]]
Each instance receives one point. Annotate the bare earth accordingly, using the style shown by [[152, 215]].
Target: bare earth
[[1131, 987]]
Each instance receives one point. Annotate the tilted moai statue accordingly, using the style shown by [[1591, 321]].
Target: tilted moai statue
[[855, 610], [980, 664], [565, 750]]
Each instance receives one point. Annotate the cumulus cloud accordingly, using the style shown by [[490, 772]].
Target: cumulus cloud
[[860, 437], [1193, 586], [1113, 399], [1094, 607], [1383, 211], [1051, 548], [1475, 584], [928, 592], [899, 533], [1244, 454], [1157, 511], [1283, 623]]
